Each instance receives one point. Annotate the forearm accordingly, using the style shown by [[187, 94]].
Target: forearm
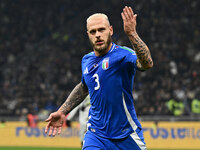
[[142, 51], [78, 94]]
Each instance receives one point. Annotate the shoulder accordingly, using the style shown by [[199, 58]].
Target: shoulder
[[87, 56], [128, 54], [126, 50]]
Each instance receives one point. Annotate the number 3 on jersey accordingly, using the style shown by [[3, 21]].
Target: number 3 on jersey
[[96, 76]]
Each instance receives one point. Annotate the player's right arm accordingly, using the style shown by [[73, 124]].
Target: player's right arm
[[78, 94], [56, 119]]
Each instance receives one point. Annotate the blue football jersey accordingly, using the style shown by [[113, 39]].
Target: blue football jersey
[[109, 79]]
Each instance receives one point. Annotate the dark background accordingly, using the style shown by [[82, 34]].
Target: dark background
[[42, 43]]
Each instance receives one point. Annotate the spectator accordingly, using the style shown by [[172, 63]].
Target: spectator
[[42, 43]]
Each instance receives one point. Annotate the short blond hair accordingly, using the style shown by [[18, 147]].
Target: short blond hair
[[98, 15]]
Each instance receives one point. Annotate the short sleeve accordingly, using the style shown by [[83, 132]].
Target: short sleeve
[[131, 56], [82, 76], [83, 80]]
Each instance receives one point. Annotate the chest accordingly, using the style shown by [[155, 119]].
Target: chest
[[100, 71]]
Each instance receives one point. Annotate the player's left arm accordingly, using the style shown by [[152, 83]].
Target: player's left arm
[[144, 60]]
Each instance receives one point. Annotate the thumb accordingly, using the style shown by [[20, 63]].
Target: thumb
[[135, 16], [48, 119]]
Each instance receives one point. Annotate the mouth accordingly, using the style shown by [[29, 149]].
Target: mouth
[[99, 42]]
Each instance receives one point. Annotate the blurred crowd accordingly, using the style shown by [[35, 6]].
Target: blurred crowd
[[42, 43]]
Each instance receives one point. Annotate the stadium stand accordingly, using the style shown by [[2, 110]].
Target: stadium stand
[[42, 43]]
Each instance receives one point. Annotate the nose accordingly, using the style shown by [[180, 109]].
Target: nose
[[98, 34]]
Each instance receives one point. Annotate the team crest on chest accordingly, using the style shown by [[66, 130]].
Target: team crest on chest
[[105, 63]]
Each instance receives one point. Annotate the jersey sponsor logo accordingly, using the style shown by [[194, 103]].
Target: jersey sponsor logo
[[105, 63], [85, 71], [40, 132], [173, 133]]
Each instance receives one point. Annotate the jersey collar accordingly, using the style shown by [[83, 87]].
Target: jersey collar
[[112, 48]]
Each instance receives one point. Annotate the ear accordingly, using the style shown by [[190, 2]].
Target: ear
[[88, 33], [111, 30]]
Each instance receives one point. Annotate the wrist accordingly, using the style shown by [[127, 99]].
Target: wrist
[[132, 34], [62, 112]]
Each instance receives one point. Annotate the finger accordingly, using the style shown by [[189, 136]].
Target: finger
[[128, 12], [50, 130], [131, 11], [123, 17], [54, 131], [59, 130], [125, 13], [135, 16], [47, 127]]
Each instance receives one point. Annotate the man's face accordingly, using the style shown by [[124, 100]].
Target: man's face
[[99, 32]]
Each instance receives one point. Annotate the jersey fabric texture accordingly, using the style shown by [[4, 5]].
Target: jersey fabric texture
[[109, 79]]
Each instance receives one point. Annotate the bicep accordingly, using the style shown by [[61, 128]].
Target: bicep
[[84, 87]]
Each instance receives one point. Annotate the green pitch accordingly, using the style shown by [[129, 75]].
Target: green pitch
[[48, 148]]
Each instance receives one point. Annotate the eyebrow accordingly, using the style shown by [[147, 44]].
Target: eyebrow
[[98, 29]]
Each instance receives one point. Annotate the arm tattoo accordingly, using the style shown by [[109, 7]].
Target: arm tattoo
[[77, 95], [142, 52]]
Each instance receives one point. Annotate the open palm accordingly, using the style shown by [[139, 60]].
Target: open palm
[[55, 123], [129, 20]]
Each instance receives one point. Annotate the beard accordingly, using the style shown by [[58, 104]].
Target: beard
[[103, 48]]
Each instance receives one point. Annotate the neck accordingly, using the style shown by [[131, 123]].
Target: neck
[[103, 52]]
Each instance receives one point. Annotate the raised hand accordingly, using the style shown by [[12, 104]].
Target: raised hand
[[129, 20], [55, 123]]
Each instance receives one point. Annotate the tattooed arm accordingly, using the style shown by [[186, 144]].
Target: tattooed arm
[[144, 60], [56, 119], [78, 94]]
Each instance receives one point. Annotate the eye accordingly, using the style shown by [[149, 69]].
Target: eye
[[101, 29], [92, 31]]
